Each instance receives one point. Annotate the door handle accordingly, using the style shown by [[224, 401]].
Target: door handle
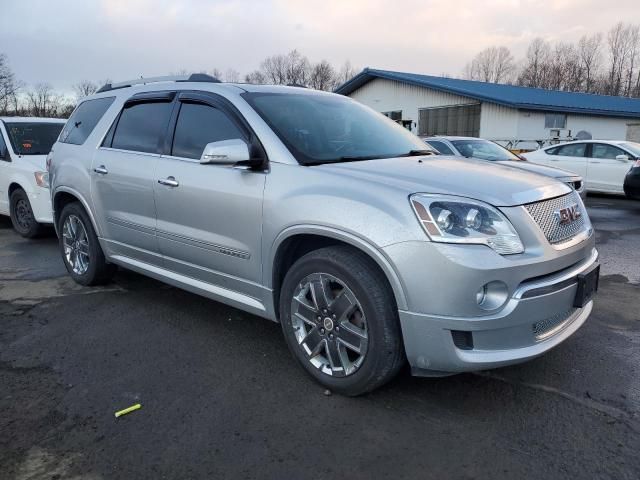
[[592, 162], [169, 182], [102, 170]]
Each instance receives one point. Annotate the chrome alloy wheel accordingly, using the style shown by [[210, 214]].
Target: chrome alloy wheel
[[76, 244], [329, 324]]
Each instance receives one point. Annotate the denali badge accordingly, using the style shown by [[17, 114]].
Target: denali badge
[[568, 214]]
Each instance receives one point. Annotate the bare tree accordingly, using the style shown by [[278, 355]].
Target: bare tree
[[346, 73], [322, 76], [274, 69], [255, 77], [493, 64], [231, 76], [9, 86], [535, 68], [590, 57], [42, 101], [84, 88]]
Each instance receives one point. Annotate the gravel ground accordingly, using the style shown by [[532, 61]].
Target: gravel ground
[[222, 397]]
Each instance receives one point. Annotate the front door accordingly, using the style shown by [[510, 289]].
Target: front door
[[123, 179], [606, 172], [209, 217], [572, 157]]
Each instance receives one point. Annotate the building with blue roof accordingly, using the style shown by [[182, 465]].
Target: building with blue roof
[[520, 116]]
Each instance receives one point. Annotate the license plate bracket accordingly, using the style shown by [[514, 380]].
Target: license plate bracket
[[587, 286]]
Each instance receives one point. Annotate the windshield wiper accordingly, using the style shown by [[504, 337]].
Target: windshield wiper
[[359, 158], [417, 153]]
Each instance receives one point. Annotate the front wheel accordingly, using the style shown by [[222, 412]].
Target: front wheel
[[80, 249], [340, 320], [22, 217]]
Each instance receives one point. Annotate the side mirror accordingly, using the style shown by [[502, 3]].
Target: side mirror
[[622, 157], [225, 152]]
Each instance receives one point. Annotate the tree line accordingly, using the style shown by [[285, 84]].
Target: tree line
[[41, 100], [607, 64]]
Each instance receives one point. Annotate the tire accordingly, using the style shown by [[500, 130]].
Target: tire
[[365, 316], [81, 252], [22, 216]]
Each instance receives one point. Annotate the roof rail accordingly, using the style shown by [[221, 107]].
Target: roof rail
[[194, 77]]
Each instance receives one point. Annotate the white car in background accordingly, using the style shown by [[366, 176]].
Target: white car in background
[[25, 143], [602, 163]]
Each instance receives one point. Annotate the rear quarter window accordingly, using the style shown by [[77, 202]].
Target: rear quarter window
[[84, 119]]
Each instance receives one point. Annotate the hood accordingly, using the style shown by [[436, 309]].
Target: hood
[[541, 169], [39, 162], [498, 185]]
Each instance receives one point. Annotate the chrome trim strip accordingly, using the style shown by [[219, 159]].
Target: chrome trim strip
[[561, 326], [131, 225], [232, 252], [556, 281]]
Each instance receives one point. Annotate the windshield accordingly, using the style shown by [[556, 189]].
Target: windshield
[[330, 128], [33, 138], [483, 149], [633, 147]]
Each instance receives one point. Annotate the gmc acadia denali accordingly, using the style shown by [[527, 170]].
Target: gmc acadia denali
[[309, 209]]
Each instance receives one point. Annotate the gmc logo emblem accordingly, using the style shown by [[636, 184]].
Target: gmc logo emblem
[[568, 214]]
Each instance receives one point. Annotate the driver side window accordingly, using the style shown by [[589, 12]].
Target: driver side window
[[198, 125]]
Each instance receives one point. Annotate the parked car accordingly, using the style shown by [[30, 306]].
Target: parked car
[[24, 182], [632, 182], [472, 147], [602, 163], [311, 209]]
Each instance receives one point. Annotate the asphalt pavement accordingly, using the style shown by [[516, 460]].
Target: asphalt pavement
[[222, 397]]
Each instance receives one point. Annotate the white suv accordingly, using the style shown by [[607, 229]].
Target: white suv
[[24, 182]]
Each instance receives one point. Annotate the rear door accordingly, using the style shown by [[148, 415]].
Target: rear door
[[606, 172], [571, 156], [210, 216], [123, 176]]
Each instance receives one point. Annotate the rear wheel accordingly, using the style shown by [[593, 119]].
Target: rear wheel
[[340, 320], [22, 218], [80, 249]]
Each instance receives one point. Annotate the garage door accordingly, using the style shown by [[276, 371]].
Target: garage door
[[461, 120]]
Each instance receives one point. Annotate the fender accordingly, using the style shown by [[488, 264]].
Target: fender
[[82, 200], [376, 254]]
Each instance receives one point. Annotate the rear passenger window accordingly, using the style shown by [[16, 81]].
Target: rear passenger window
[[142, 126], [84, 119], [573, 150], [198, 125]]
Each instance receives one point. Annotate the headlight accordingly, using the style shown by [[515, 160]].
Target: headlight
[[42, 179], [449, 219]]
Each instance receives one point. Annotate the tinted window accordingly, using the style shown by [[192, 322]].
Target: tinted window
[[440, 147], [84, 119], [572, 150], [32, 138], [4, 154], [141, 126], [459, 120], [198, 125], [483, 149], [601, 150], [632, 147], [318, 128]]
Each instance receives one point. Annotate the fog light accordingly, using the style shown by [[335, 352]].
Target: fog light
[[492, 295]]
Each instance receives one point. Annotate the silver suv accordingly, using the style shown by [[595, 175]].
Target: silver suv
[[310, 209]]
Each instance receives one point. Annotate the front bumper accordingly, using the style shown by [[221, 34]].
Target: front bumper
[[632, 183], [40, 200], [443, 330]]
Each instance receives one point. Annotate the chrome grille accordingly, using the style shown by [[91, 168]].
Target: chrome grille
[[547, 327], [544, 215]]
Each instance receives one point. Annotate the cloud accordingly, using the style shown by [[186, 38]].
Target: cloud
[[66, 41]]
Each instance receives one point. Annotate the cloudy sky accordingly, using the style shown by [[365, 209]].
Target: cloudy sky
[[64, 41]]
